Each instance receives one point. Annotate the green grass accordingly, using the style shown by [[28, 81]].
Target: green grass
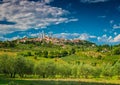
[[80, 59], [51, 82], [112, 58]]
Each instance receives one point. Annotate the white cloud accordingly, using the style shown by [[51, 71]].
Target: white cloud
[[117, 38], [15, 1], [92, 36], [83, 36], [3, 38], [109, 39], [102, 16], [115, 33], [66, 35], [30, 14], [34, 35], [105, 38], [71, 20], [111, 21], [14, 38], [105, 30], [92, 1], [116, 26], [86, 36], [48, 1]]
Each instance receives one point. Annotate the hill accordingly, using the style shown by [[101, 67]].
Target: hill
[[58, 58]]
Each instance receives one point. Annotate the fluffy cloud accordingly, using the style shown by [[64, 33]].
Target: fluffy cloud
[[66, 35], [43, 1], [86, 36], [116, 26], [117, 38], [83, 36], [13, 38], [47, 1], [109, 39], [115, 33], [105, 38], [92, 1], [27, 14]]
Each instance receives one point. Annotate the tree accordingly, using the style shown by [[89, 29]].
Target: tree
[[29, 64], [116, 51], [7, 64], [51, 54], [20, 66], [72, 51], [117, 68], [29, 53], [86, 70], [64, 70], [64, 53], [57, 54], [75, 71], [45, 69], [108, 70], [38, 53], [45, 54]]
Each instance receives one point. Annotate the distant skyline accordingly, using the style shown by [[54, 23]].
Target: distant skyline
[[93, 20]]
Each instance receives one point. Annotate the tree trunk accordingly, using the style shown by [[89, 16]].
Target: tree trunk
[[14, 75], [43, 75], [11, 75]]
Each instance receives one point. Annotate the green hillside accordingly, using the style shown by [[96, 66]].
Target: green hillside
[[73, 60]]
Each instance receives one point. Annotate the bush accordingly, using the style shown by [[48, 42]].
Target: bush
[[116, 51], [29, 54], [64, 70], [117, 68], [12, 83], [45, 69], [99, 57], [86, 70], [108, 70]]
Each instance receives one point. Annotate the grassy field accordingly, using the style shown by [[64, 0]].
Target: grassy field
[[58, 82]]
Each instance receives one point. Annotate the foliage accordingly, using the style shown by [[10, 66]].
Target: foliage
[[82, 59], [45, 69], [116, 51], [12, 83]]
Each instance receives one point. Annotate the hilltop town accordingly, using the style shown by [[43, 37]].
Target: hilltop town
[[50, 39]]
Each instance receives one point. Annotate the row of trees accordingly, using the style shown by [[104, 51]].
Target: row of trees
[[22, 67], [48, 54], [10, 65], [7, 44]]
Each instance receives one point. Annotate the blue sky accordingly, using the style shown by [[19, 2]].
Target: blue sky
[[94, 20]]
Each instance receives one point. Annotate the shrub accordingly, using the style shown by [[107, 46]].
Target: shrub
[[12, 83], [108, 70], [116, 51], [117, 68], [85, 70]]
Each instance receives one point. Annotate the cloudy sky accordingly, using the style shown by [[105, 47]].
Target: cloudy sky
[[94, 20]]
